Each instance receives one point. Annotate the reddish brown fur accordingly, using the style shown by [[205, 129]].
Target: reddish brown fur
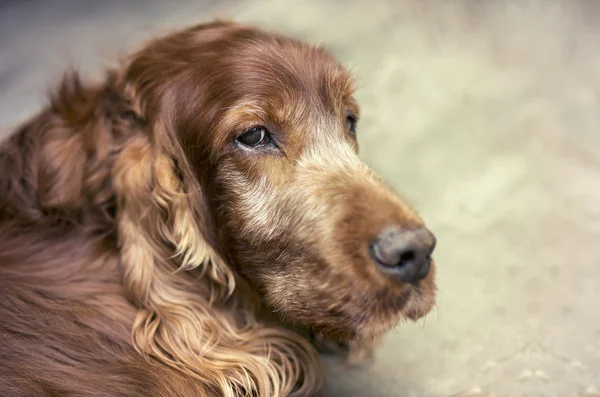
[[113, 187]]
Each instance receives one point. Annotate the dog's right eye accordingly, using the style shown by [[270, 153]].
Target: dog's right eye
[[254, 137]]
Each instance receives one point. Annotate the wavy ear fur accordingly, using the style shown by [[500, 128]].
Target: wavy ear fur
[[201, 325]]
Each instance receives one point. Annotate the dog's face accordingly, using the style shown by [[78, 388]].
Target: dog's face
[[269, 126]]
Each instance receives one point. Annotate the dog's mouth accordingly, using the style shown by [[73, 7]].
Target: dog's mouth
[[420, 299]]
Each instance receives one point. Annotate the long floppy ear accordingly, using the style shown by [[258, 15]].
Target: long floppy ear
[[159, 215], [197, 325]]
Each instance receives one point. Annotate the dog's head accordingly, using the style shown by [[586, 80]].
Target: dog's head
[[268, 129]]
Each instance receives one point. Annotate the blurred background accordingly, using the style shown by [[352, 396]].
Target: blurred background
[[485, 115]]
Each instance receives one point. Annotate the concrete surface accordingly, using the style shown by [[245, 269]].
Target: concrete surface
[[484, 114]]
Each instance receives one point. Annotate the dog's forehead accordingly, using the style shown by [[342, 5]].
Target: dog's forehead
[[290, 71]]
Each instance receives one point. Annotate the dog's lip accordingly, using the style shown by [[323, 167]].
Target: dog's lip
[[403, 298]]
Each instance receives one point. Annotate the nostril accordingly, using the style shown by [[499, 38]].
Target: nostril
[[406, 257]]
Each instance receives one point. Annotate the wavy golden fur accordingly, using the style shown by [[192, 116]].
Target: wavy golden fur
[[145, 251]]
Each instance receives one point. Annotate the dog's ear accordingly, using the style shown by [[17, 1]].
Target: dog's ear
[[159, 214], [191, 323]]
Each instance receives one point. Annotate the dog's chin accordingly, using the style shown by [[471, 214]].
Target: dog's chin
[[345, 314], [361, 342], [417, 302]]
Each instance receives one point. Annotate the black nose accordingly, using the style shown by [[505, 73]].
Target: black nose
[[404, 255]]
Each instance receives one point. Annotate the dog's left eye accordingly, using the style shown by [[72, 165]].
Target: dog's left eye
[[254, 137], [351, 124]]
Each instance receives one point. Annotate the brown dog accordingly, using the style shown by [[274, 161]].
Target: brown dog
[[148, 224]]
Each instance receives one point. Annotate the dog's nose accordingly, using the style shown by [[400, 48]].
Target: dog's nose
[[404, 255]]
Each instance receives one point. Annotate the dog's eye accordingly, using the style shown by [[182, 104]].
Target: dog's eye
[[351, 124], [254, 137]]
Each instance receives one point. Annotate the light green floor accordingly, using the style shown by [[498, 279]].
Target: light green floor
[[484, 114]]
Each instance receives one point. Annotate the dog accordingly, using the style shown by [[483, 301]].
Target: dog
[[192, 223]]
